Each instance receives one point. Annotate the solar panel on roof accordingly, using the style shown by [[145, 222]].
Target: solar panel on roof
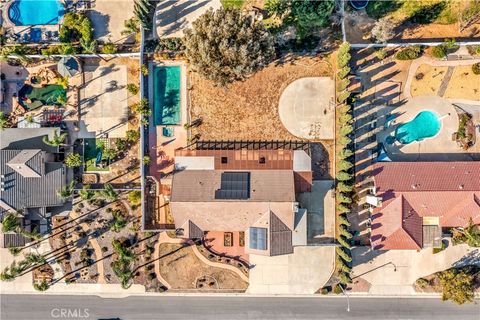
[[234, 185]]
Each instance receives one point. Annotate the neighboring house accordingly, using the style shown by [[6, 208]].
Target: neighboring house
[[416, 200], [251, 192], [30, 175]]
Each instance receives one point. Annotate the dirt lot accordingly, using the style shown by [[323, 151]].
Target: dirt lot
[[427, 80], [358, 26], [249, 110], [180, 267], [464, 84]]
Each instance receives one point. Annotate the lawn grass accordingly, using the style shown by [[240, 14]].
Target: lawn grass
[[232, 3], [90, 155]]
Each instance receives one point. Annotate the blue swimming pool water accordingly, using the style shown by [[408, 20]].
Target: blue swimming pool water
[[359, 4], [35, 12], [426, 124], [166, 95]]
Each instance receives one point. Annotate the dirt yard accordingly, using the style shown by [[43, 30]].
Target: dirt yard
[[249, 110], [427, 80], [181, 268], [358, 26], [464, 84]]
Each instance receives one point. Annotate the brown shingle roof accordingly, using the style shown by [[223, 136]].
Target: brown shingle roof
[[265, 186]]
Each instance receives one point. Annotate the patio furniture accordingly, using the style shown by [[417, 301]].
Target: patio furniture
[[228, 239], [167, 132]]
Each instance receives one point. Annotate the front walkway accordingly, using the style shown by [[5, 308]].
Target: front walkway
[[303, 272], [394, 272]]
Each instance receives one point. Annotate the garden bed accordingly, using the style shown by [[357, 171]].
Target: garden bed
[[181, 268]]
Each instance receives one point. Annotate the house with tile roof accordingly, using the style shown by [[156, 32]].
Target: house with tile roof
[[416, 200], [246, 192]]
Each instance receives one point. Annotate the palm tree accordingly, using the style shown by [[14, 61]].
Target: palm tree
[[67, 191], [132, 26], [109, 193], [10, 222], [57, 139], [86, 193], [142, 10]]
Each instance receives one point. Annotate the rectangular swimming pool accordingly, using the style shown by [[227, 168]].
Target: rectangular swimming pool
[[166, 95]]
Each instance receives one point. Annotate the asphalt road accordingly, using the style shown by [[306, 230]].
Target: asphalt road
[[41, 307]]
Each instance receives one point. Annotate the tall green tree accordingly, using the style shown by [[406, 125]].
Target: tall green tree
[[307, 16], [10, 222], [227, 45]]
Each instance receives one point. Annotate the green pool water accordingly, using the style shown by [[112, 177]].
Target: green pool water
[[166, 95], [47, 95], [426, 124]]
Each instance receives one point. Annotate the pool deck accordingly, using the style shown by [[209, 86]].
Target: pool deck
[[439, 147], [161, 148]]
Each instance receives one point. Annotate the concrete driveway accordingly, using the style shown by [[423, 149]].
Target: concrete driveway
[[174, 16], [108, 18], [303, 272], [378, 267]]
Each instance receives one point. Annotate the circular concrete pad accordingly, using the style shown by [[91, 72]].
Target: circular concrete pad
[[307, 108]]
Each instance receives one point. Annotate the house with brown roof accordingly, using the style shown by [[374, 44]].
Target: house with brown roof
[[417, 201], [245, 192]]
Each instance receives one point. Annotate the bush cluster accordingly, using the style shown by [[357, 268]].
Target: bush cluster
[[409, 53], [344, 176]]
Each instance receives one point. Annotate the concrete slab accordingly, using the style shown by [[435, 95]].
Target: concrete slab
[[320, 205], [103, 102], [174, 16], [108, 17], [303, 272], [307, 108]]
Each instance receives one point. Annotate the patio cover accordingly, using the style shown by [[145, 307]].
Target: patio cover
[[68, 67]]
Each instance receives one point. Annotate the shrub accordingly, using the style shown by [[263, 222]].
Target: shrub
[[133, 135], [342, 208], [343, 72], [76, 26], [342, 198], [443, 246], [439, 51], [324, 290], [342, 219], [344, 232], [346, 129], [344, 140], [344, 277], [134, 197], [476, 68], [342, 186], [343, 96], [345, 153], [345, 118], [457, 285], [337, 289], [50, 50], [344, 108], [381, 54], [227, 45], [344, 242], [109, 48], [132, 88], [343, 176], [409, 53], [421, 283], [73, 160], [383, 30], [343, 84], [306, 16], [343, 254]]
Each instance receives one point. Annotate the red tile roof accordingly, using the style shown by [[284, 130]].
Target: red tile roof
[[427, 176], [413, 190]]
